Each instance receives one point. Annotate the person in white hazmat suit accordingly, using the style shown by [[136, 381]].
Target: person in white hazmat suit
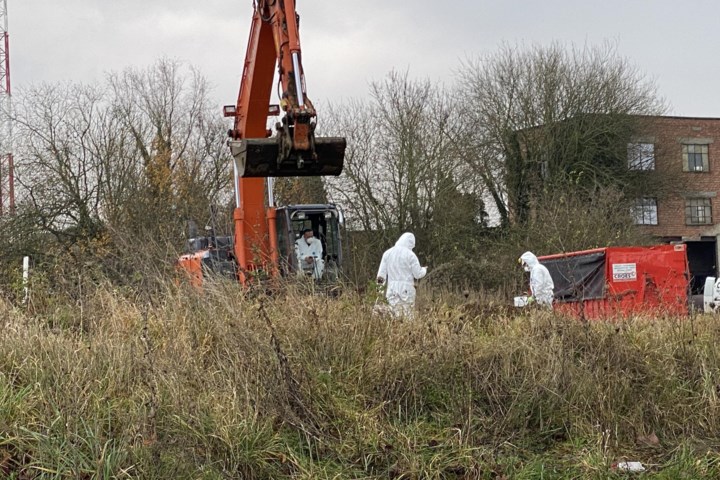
[[399, 268], [309, 255], [541, 283]]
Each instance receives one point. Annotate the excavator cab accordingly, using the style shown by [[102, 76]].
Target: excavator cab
[[325, 220], [212, 256]]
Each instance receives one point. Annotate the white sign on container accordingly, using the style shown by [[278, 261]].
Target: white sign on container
[[624, 272]]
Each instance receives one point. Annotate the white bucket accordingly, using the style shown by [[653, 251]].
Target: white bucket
[[520, 301]]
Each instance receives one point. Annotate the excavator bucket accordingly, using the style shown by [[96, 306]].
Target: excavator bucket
[[258, 157]]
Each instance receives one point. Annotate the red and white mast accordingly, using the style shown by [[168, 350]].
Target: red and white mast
[[7, 167]]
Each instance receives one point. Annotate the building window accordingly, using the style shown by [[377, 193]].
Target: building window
[[695, 158], [698, 211], [641, 156], [644, 212]]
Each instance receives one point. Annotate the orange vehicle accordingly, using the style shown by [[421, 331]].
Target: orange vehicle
[[293, 150]]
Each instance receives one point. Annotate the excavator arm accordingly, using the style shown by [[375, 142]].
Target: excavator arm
[[294, 150]]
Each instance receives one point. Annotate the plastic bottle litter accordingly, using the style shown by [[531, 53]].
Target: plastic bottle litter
[[630, 466]]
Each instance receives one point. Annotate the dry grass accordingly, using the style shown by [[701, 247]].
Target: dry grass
[[225, 384]]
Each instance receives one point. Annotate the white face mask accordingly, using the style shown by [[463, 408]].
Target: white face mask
[[309, 240], [526, 268]]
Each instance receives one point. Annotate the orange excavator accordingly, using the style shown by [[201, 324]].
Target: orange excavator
[[265, 235]]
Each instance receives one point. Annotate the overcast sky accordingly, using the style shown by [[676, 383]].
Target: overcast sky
[[348, 43]]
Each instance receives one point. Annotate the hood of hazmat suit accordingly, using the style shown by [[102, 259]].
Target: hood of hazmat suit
[[406, 240]]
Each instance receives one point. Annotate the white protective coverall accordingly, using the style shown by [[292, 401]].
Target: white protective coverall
[[310, 247], [399, 268], [541, 283]]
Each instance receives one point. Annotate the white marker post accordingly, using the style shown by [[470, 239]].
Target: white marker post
[[26, 278]]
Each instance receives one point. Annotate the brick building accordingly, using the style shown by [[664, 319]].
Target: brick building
[[685, 150]]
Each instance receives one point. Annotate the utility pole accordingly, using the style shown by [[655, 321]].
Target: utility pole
[[7, 166]]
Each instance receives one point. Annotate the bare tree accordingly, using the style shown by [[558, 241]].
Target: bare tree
[[65, 133], [402, 168], [362, 187], [177, 139], [552, 117], [109, 166], [299, 190], [400, 152]]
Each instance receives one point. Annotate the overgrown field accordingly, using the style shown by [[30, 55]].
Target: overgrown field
[[221, 385]]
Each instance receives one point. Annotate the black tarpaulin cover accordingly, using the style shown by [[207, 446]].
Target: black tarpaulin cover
[[578, 277]]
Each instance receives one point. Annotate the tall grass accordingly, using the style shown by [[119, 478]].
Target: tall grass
[[229, 384]]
